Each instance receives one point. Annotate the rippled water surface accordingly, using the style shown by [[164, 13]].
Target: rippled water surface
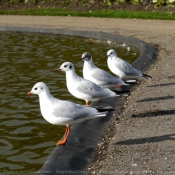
[[26, 139]]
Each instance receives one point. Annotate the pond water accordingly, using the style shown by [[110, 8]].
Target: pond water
[[26, 139]]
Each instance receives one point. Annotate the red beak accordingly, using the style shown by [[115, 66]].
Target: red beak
[[29, 93], [58, 70]]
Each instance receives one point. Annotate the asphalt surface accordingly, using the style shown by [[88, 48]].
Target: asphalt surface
[[141, 136]]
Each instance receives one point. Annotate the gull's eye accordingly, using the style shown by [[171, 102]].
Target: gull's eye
[[35, 89], [41, 87], [70, 67], [65, 66]]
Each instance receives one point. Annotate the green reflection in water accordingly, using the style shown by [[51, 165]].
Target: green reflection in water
[[26, 139]]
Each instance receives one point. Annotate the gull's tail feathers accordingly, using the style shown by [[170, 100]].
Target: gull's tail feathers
[[128, 82], [101, 114]]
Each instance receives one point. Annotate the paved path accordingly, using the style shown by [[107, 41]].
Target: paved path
[[142, 140], [100, 24]]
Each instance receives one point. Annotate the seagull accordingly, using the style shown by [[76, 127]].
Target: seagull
[[99, 76], [82, 88], [60, 112], [122, 68]]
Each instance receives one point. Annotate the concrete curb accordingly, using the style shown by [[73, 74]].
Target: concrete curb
[[76, 155]]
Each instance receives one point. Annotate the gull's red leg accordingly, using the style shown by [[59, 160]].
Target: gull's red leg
[[87, 104], [119, 86], [64, 140]]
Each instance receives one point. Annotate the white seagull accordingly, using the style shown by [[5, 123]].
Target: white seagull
[[82, 88], [60, 112], [99, 76], [122, 68]]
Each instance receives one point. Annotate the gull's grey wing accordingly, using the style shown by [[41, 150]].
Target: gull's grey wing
[[127, 68], [104, 76], [72, 111], [92, 89]]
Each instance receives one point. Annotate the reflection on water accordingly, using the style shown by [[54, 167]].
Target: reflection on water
[[26, 139]]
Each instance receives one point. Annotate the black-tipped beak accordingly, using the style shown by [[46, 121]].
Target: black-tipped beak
[[28, 94], [58, 70], [80, 59]]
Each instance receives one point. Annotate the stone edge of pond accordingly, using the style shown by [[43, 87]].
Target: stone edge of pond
[[77, 154]]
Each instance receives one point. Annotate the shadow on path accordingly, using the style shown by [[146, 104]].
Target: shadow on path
[[154, 113], [156, 99], [165, 84], [146, 140]]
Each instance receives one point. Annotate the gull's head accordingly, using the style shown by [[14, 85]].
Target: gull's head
[[66, 66], [86, 56], [38, 88], [111, 53]]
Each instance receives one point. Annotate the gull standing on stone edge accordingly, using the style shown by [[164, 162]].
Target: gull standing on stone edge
[[122, 68], [99, 76], [60, 112], [81, 88]]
